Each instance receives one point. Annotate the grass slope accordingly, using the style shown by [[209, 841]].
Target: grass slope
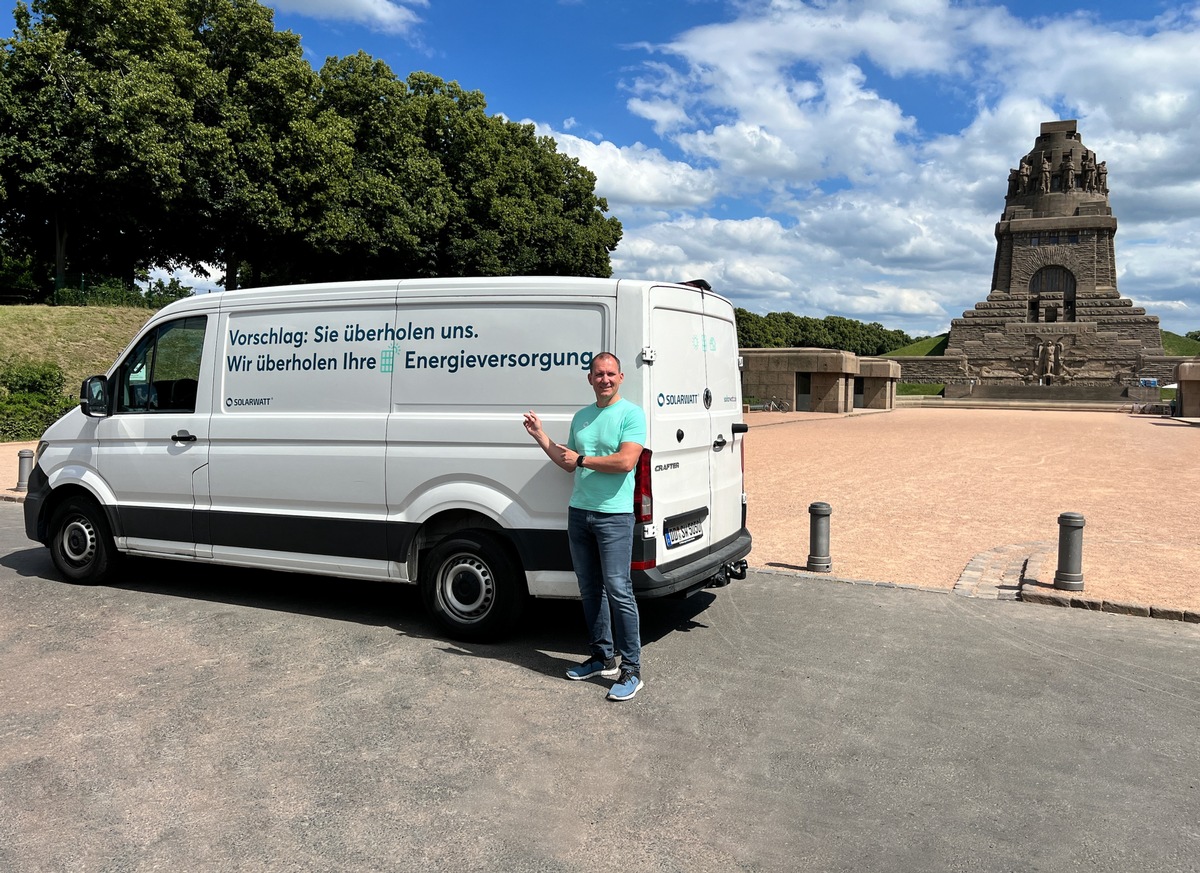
[[930, 346], [83, 340], [1174, 344]]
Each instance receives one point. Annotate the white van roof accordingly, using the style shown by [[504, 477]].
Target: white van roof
[[446, 287]]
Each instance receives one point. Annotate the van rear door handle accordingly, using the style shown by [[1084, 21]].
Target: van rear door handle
[[720, 442], [184, 437]]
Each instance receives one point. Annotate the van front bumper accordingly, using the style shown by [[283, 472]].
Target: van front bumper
[[696, 571], [39, 490]]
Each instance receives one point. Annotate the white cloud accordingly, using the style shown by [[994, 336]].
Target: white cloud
[[806, 113], [385, 15], [638, 176]]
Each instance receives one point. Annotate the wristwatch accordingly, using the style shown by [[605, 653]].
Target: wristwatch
[[579, 462]]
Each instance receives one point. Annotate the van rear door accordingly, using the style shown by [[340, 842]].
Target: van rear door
[[724, 405], [680, 427]]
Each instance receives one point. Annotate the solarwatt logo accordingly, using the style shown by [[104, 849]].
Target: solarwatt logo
[[677, 399]]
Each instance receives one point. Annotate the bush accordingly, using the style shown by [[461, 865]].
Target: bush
[[25, 417], [27, 377], [114, 292], [31, 399]]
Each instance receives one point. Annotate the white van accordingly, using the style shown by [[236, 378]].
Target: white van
[[374, 430]]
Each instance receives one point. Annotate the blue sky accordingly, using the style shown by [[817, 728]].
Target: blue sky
[[843, 157]]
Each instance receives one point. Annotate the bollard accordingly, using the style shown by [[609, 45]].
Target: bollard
[[818, 538], [1069, 575], [24, 468]]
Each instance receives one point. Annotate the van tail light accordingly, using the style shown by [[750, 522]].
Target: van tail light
[[644, 556], [643, 498]]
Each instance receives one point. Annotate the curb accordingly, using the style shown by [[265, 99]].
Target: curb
[[1046, 598], [1026, 591], [1031, 590]]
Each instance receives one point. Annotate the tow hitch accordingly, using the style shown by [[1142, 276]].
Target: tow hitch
[[729, 572]]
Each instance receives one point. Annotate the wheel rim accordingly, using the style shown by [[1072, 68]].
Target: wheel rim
[[466, 588], [78, 541]]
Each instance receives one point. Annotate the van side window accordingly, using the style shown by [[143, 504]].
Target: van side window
[[162, 371]]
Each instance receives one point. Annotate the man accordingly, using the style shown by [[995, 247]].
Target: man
[[602, 450]]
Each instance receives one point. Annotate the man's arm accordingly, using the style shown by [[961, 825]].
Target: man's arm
[[557, 453], [623, 460]]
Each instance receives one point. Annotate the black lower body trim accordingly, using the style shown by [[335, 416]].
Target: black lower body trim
[[694, 571]]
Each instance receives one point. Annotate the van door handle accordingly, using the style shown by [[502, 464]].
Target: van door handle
[[184, 437], [720, 443]]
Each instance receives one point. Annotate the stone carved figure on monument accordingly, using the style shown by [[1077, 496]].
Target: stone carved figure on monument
[[1058, 361], [1043, 361], [1067, 172], [1044, 176], [1014, 183], [1023, 174], [1088, 171], [1102, 177]]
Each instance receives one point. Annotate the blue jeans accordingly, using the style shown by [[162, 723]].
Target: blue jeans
[[601, 548]]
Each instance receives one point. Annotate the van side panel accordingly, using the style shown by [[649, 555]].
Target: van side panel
[[298, 431], [458, 455]]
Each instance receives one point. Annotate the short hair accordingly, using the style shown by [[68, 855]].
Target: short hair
[[601, 355]]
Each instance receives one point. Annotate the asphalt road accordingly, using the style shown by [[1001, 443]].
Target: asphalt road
[[195, 718]]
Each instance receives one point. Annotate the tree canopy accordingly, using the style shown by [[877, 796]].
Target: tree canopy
[[785, 330], [161, 133]]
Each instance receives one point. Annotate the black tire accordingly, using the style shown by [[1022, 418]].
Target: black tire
[[473, 585], [81, 544]]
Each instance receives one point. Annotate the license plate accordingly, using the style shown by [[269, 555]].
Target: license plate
[[677, 536]]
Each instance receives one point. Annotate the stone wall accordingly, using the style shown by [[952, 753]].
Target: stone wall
[[953, 370], [818, 380], [949, 369], [1187, 376]]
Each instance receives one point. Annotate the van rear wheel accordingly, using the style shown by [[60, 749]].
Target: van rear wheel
[[471, 584], [81, 545]]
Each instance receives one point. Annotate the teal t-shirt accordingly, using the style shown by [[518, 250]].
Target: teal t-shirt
[[598, 432]]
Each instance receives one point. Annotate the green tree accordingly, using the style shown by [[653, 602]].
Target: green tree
[[265, 168], [787, 330], [140, 133], [95, 115], [515, 204], [1193, 334], [394, 200]]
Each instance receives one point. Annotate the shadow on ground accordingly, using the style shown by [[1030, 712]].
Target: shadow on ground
[[547, 626]]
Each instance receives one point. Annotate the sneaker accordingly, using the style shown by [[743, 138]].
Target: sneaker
[[628, 685], [594, 667]]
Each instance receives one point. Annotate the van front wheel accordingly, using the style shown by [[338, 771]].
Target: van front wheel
[[80, 544], [471, 584]]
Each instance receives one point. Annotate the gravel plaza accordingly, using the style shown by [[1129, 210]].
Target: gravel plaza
[[919, 494]]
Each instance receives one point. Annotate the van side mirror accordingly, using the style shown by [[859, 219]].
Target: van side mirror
[[93, 397]]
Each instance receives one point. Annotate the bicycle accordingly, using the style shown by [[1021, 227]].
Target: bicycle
[[777, 405]]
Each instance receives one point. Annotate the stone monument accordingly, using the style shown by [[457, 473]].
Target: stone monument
[[1054, 316]]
